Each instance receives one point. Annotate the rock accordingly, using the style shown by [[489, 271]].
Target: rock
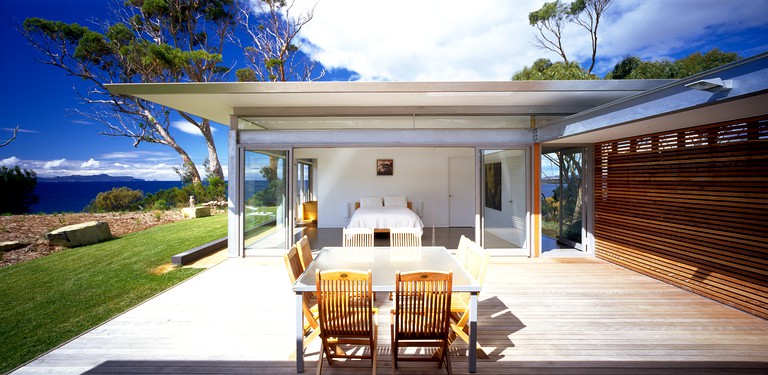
[[80, 234], [194, 212], [12, 245], [215, 204]]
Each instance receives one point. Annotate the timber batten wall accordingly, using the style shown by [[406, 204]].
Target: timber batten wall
[[689, 207]]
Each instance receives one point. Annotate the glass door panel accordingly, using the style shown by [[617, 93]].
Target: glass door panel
[[562, 196], [265, 191], [505, 206]]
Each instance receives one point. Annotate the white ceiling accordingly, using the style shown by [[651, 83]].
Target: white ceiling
[[217, 101]]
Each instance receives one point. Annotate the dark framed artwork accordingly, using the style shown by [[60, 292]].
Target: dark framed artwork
[[493, 186], [384, 167]]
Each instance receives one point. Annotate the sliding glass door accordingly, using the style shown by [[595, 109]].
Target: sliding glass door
[[504, 188], [265, 208], [563, 196]]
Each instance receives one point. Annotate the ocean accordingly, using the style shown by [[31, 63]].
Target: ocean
[[74, 196]]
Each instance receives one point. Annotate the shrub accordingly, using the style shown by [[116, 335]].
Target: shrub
[[18, 189], [214, 189], [117, 199], [160, 204]]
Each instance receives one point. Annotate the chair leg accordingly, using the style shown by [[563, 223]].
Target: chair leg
[[447, 361], [393, 347], [374, 349], [458, 331], [320, 362]]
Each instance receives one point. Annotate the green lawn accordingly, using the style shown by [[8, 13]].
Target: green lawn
[[47, 301]]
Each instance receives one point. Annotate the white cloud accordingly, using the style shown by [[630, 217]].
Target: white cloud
[[138, 154], [54, 163], [451, 40], [10, 162], [91, 163], [186, 127]]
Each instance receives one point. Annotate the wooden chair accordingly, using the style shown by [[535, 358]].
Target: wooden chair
[[405, 237], [358, 237], [462, 250], [347, 316], [309, 305], [474, 260], [421, 317], [305, 252]]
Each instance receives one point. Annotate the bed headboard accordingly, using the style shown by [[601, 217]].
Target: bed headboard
[[409, 204]]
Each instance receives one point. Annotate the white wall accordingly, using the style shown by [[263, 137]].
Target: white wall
[[344, 175]]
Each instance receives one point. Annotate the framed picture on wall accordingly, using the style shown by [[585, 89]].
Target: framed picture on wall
[[493, 186], [384, 167]]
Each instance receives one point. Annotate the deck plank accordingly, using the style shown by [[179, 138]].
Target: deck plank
[[537, 316]]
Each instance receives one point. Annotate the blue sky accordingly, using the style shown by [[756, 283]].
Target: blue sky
[[433, 41]]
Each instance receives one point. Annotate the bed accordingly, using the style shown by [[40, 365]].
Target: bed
[[383, 214]]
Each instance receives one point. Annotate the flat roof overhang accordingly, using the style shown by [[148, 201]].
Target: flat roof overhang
[[669, 107], [218, 101]]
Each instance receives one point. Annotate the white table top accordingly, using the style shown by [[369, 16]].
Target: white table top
[[384, 262]]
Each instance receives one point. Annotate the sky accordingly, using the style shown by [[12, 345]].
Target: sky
[[372, 40]]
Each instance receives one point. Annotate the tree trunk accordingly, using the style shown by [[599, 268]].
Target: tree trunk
[[170, 141], [213, 158]]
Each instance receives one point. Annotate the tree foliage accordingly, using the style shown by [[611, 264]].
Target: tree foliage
[[546, 70], [18, 190], [117, 199], [146, 41], [632, 67]]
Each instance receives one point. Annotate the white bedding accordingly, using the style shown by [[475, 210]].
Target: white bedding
[[385, 218]]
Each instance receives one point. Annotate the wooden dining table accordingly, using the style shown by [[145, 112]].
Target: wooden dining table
[[384, 262]]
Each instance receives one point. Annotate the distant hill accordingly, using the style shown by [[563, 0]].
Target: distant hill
[[93, 178]]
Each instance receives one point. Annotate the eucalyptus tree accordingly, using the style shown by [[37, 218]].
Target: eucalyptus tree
[[272, 44], [553, 17], [144, 41], [551, 20]]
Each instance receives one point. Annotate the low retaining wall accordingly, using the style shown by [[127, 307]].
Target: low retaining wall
[[196, 253]]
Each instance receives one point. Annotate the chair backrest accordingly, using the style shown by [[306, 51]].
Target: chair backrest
[[305, 252], [476, 263], [405, 237], [462, 251], [422, 305], [358, 237], [345, 303], [293, 263]]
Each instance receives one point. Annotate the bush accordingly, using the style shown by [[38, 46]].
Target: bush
[[214, 190], [117, 199], [160, 204], [18, 189]]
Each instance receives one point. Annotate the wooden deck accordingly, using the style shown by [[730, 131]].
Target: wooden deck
[[536, 316]]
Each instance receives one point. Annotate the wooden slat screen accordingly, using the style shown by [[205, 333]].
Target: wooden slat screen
[[689, 207]]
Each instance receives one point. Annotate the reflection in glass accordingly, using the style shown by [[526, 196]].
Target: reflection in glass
[[505, 206], [264, 196]]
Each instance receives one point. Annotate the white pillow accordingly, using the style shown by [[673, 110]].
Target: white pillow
[[370, 202], [395, 201]]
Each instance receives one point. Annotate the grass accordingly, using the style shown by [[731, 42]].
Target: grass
[[47, 301]]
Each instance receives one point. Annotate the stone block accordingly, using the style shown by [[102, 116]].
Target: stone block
[[195, 212], [12, 245], [80, 234]]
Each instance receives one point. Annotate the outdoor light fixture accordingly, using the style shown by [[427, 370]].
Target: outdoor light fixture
[[711, 85]]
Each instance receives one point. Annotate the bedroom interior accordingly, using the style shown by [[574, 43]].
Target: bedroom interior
[[438, 184]]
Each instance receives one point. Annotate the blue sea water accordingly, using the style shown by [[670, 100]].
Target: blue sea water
[[74, 196], [548, 189]]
